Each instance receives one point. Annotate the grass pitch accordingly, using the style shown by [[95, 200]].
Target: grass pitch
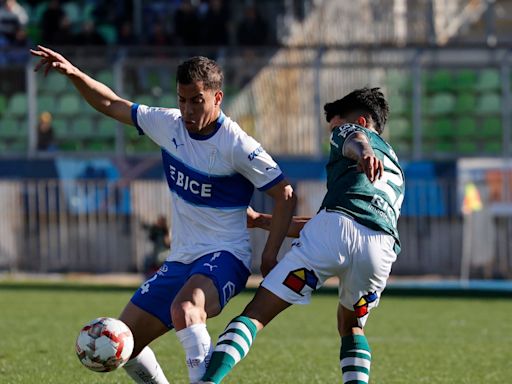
[[414, 339]]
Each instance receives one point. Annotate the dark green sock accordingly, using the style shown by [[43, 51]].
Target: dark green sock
[[355, 359], [232, 346]]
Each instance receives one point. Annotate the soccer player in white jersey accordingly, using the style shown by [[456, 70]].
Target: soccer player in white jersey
[[353, 237], [211, 167]]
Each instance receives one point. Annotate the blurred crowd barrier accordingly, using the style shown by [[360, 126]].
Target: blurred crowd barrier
[[451, 227]]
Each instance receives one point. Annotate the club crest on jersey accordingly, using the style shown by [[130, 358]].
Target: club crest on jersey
[[347, 129], [298, 279], [361, 307]]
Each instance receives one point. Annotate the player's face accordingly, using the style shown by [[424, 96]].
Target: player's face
[[199, 107]]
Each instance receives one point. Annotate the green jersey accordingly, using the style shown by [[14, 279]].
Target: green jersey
[[377, 205]]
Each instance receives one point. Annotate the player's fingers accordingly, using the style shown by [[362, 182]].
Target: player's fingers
[[381, 169], [38, 53], [40, 64]]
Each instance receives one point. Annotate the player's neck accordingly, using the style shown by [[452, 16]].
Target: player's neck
[[212, 126]]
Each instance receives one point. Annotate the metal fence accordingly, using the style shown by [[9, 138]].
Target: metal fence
[[85, 226]]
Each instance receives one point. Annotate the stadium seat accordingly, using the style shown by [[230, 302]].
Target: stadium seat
[[46, 102], [69, 104], [493, 147], [108, 32], [98, 146], [439, 81], [465, 126], [443, 128], [3, 105], [398, 80], [489, 103], [488, 80], [9, 127], [73, 12], [106, 77], [61, 128], [464, 80], [440, 104], [82, 127], [399, 128], [17, 105], [466, 147], [398, 104], [465, 103], [106, 128], [491, 128], [54, 83]]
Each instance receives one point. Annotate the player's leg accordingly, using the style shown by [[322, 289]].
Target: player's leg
[[143, 366], [236, 340], [148, 316], [214, 280], [355, 353]]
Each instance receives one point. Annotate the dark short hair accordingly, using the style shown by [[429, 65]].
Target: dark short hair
[[200, 68], [366, 100]]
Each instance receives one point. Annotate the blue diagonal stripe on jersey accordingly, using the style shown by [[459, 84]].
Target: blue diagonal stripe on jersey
[[195, 187]]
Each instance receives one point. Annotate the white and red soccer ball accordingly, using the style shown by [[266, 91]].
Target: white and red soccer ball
[[104, 344]]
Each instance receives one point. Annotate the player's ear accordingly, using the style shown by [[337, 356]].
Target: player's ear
[[361, 120], [218, 97]]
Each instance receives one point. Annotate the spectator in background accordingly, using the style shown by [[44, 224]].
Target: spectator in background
[[51, 22], [252, 30], [186, 24], [125, 35], [215, 24], [158, 234], [45, 136], [89, 35], [66, 34], [13, 18]]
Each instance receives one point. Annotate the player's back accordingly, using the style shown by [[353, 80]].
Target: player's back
[[349, 190]]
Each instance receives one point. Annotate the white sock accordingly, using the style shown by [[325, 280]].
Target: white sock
[[198, 348], [144, 369]]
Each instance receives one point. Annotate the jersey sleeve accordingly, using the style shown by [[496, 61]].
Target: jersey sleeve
[[157, 123], [255, 164], [340, 135]]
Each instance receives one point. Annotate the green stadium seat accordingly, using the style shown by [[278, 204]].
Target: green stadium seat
[[107, 128], [466, 126], [466, 147], [398, 104], [73, 12], [439, 81], [465, 80], [54, 83], [399, 128], [17, 105], [106, 77], [397, 80], [3, 104], [441, 146], [9, 127], [443, 128], [440, 104], [493, 147], [489, 103], [465, 103], [46, 103], [491, 128], [98, 146], [488, 80], [37, 12], [61, 128], [108, 32], [82, 127], [69, 104]]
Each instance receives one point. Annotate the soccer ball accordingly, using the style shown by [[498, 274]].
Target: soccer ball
[[104, 344]]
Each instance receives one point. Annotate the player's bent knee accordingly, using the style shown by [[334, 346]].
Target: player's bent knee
[[186, 313]]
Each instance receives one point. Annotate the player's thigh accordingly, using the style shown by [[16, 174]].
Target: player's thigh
[[201, 292], [144, 326], [348, 323], [362, 284]]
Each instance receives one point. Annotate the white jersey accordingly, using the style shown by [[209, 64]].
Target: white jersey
[[211, 178]]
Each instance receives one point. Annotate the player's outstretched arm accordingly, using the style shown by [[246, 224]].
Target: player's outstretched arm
[[257, 219], [98, 95]]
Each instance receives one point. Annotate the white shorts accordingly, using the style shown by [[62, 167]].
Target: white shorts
[[333, 244]]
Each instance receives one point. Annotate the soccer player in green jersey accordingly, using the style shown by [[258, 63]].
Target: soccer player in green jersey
[[353, 237]]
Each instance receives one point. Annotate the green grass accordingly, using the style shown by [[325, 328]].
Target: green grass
[[414, 340]]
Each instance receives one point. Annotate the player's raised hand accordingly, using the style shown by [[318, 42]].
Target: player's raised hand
[[52, 60]]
